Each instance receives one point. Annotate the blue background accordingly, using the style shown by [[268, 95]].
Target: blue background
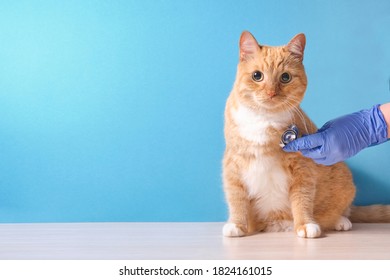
[[113, 110]]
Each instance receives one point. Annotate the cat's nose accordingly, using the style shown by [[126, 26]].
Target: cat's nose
[[271, 93]]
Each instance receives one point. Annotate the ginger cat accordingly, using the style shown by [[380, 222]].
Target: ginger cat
[[266, 188]]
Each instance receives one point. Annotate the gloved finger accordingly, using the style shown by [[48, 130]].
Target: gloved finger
[[315, 153], [305, 143], [317, 156]]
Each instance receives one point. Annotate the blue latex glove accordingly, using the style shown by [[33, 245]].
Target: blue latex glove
[[342, 137]]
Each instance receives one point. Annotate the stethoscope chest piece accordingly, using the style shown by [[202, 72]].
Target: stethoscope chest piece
[[289, 135]]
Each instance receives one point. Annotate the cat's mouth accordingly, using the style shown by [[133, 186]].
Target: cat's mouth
[[268, 102], [275, 104]]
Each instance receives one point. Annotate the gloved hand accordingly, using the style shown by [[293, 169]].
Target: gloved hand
[[342, 137]]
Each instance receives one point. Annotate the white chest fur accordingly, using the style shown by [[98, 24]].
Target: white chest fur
[[252, 126], [268, 184], [265, 179]]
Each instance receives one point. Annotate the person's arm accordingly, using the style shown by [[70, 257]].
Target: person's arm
[[345, 136], [385, 109]]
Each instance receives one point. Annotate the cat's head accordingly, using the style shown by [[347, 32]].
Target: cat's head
[[271, 78]]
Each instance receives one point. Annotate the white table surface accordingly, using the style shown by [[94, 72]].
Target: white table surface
[[183, 241]]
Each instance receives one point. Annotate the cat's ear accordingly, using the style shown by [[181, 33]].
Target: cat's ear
[[297, 45], [248, 46]]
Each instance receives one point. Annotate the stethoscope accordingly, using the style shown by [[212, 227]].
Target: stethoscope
[[290, 134]]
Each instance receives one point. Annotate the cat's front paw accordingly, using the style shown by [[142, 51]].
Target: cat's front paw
[[310, 230], [233, 230]]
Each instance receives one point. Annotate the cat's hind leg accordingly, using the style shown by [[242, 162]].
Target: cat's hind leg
[[343, 224]]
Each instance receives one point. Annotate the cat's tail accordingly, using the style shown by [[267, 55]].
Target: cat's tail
[[370, 214]]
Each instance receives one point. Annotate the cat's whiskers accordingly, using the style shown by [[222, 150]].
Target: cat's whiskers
[[295, 110]]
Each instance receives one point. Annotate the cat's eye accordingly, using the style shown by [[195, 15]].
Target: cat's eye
[[257, 76], [285, 78]]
